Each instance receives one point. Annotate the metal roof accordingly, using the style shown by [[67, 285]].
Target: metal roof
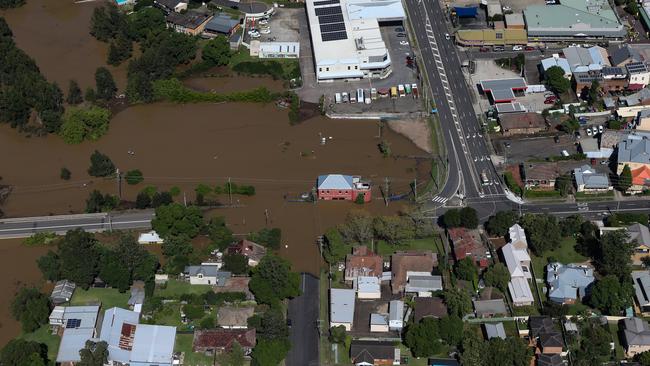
[[568, 282], [62, 291], [512, 107], [341, 305], [547, 63], [221, 23], [378, 319], [419, 283], [153, 344], [367, 284], [111, 332], [335, 181], [72, 341], [396, 310], [495, 330], [502, 89], [632, 150], [573, 18], [641, 280], [587, 176]]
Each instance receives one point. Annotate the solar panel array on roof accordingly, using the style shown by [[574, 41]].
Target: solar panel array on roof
[[636, 67], [330, 10], [326, 2], [332, 27], [326, 19], [334, 36], [73, 323]]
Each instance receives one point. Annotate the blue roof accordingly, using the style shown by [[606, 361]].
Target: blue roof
[[153, 344], [72, 341], [335, 181], [111, 331], [568, 281]]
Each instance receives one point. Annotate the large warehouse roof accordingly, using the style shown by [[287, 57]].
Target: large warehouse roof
[[594, 18]]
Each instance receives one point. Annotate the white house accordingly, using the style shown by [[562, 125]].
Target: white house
[[638, 75], [367, 287], [151, 237], [517, 260], [342, 308], [378, 322], [396, 315], [206, 274]]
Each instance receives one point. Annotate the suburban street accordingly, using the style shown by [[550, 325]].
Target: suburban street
[[303, 314], [26, 227]]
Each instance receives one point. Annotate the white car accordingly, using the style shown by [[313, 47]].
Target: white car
[[255, 35], [252, 30], [600, 129], [403, 43], [263, 21], [517, 48], [447, 37], [588, 131]]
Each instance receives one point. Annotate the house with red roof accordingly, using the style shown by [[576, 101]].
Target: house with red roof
[[362, 262], [468, 243], [220, 340], [342, 187], [640, 179]]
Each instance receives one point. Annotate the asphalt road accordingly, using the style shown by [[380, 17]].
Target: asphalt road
[[303, 334], [26, 227], [468, 157]]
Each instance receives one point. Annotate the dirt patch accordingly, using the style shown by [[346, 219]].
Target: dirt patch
[[416, 130]]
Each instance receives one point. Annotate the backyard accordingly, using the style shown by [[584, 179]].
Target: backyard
[[564, 254], [107, 297], [433, 243], [175, 288], [184, 344], [45, 336]]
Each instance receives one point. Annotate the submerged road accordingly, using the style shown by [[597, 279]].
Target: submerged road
[[60, 224]]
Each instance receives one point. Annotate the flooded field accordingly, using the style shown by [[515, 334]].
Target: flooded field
[[56, 34]]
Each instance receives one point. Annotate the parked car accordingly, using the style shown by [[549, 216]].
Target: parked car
[[499, 49], [447, 37], [401, 35], [344, 96], [484, 49], [600, 129], [589, 133], [517, 48], [529, 48], [399, 30], [577, 135], [549, 101], [337, 98], [265, 31]]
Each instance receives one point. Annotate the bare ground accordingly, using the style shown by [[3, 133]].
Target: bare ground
[[416, 130]]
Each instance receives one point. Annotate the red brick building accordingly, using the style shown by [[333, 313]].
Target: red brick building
[[342, 187]]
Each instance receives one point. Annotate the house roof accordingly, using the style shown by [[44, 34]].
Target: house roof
[[467, 243], [634, 150], [62, 291], [512, 121], [494, 330], [378, 319], [542, 171], [636, 332], [421, 282], [503, 89], [641, 281], [363, 262], [335, 181], [489, 307], [415, 261], [619, 53], [248, 248], [341, 305], [547, 63], [396, 310], [590, 177], [367, 284], [223, 338], [153, 344], [233, 316], [540, 324], [208, 271], [513, 258], [369, 351], [637, 98], [429, 306], [517, 235], [137, 293], [149, 237], [73, 341], [189, 20], [585, 59], [221, 23], [636, 68], [568, 282], [520, 290], [545, 359], [118, 330], [641, 176], [170, 4], [589, 146], [640, 233], [551, 339]]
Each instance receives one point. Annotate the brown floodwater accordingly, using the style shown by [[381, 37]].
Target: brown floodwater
[[56, 34], [227, 84]]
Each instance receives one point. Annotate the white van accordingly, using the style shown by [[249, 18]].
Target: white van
[[337, 98], [360, 95]]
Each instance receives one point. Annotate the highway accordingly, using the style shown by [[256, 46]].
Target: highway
[[468, 157], [26, 227]]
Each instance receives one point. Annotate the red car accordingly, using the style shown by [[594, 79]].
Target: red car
[[549, 101], [484, 49], [529, 48]]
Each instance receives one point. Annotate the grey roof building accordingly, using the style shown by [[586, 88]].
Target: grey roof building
[[640, 97], [489, 308], [396, 314], [368, 352], [221, 24], [636, 334], [62, 292], [494, 330], [209, 274], [582, 59], [137, 293], [634, 151], [549, 360], [568, 283], [421, 283], [79, 325], [573, 19], [342, 307], [588, 179], [641, 280]]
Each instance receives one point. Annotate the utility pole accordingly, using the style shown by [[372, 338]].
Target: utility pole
[[184, 199], [415, 188], [230, 191], [119, 183], [266, 215], [386, 191]]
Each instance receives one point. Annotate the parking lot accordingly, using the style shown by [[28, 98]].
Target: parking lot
[[518, 150], [364, 307], [282, 27]]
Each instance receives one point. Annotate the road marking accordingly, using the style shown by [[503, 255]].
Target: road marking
[[438, 199]]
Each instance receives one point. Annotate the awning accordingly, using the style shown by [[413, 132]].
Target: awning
[[635, 87]]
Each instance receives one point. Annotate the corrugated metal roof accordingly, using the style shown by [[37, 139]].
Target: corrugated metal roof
[[335, 181], [153, 344], [341, 305]]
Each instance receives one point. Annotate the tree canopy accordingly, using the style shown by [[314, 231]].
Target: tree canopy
[[94, 354], [273, 281], [84, 123], [357, 227], [466, 269], [217, 51], [624, 181], [31, 308], [104, 84], [423, 338], [235, 263], [542, 232], [556, 80], [74, 93], [497, 275], [499, 223], [176, 219], [615, 254], [611, 296], [458, 301], [100, 165], [20, 352]]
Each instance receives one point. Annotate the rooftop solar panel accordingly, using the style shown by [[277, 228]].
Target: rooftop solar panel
[[73, 323], [333, 27], [326, 2], [330, 10], [334, 36], [326, 19]]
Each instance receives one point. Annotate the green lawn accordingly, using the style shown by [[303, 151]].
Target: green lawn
[[565, 254], [184, 344], [108, 297], [422, 361], [175, 288], [620, 352], [45, 336], [433, 243]]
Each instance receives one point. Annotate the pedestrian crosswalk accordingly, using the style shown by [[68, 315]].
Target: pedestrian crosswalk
[[439, 199]]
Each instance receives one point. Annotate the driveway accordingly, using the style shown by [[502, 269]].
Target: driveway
[[303, 334]]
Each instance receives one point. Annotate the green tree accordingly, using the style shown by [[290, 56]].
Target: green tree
[[473, 350], [65, 174], [147, 22], [393, 229], [571, 225], [451, 218], [104, 84], [79, 255], [219, 233], [142, 200], [451, 330], [94, 354], [468, 218], [7, 4], [273, 325], [90, 95], [458, 301], [611, 296], [466, 269], [176, 219], [270, 238], [270, 352], [273, 281], [556, 81], [177, 245], [100, 165], [423, 338], [624, 181], [334, 248], [21, 353], [594, 92], [193, 312], [31, 308], [119, 50], [112, 272], [632, 7], [357, 227], [161, 199], [106, 22], [97, 202], [643, 358], [50, 266], [499, 224], [74, 94], [510, 351], [564, 184], [207, 323], [80, 124], [570, 126], [234, 357], [542, 232], [497, 276], [594, 344], [133, 176], [615, 254], [217, 51], [235, 263], [338, 334]]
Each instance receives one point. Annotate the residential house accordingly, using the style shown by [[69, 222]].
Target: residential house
[[636, 336], [494, 330], [590, 148], [588, 180], [342, 308], [221, 25], [429, 307], [568, 283], [342, 187], [615, 79], [489, 308], [584, 79], [515, 21], [540, 175], [468, 243], [640, 98], [582, 59], [638, 75], [396, 315], [190, 23], [371, 353], [414, 261], [558, 61], [545, 335], [640, 236], [521, 123], [234, 317], [130, 342], [622, 54], [549, 360], [62, 292], [517, 259], [367, 287], [635, 153], [150, 237], [378, 322], [171, 6], [643, 120], [216, 341], [422, 283], [136, 300], [641, 281], [362, 262], [206, 274], [251, 250], [76, 324]]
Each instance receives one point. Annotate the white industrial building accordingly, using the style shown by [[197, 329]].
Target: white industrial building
[[346, 38]]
